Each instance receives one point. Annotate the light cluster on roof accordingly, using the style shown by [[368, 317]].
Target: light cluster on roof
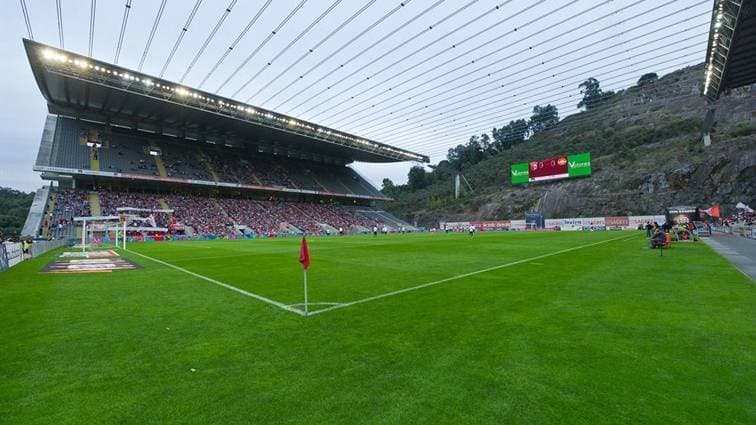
[[51, 55], [722, 24]]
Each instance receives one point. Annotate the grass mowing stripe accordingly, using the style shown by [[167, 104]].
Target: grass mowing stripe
[[225, 285], [461, 276]]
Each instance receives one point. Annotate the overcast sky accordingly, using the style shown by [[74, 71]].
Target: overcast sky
[[424, 76]]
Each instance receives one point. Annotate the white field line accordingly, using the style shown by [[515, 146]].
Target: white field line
[[225, 285], [460, 276]]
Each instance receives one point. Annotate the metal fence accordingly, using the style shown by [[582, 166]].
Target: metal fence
[[739, 229]]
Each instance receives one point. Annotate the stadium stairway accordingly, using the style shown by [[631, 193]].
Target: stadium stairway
[[225, 214], [49, 211], [164, 205], [46, 144], [35, 219], [346, 188], [328, 228], [290, 228], [160, 166], [256, 179], [94, 203], [94, 159], [397, 221], [361, 229], [389, 219], [286, 178], [201, 157], [318, 182]]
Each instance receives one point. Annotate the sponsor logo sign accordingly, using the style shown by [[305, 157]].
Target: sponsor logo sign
[[89, 265], [89, 254], [520, 173], [616, 221], [579, 164], [498, 224]]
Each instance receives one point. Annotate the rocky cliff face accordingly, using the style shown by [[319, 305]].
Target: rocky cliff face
[[723, 174], [647, 155]]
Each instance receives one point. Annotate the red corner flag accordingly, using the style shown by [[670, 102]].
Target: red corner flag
[[304, 254]]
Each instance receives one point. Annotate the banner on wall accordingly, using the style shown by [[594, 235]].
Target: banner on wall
[[575, 223], [496, 225], [617, 221], [572, 224], [3, 258]]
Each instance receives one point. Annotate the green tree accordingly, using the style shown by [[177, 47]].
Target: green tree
[[14, 207], [416, 178], [647, 78], [511, 134], [543, 118], [485, 144], [593, 96], [476, 149]]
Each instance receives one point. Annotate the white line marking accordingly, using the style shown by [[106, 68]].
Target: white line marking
[[448, 279], [225, 285]]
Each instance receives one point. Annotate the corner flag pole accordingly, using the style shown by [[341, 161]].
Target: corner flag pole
[[304, 259], [305, 292]]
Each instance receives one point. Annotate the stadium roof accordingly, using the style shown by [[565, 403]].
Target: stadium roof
[[731, 52], [80, 86]]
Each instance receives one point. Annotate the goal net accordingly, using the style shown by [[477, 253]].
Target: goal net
[[116, 230], [141, 223]]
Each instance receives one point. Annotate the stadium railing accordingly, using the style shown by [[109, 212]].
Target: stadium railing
[[739, 229], [40, 247]]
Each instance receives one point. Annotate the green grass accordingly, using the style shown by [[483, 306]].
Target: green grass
[[610, 333]]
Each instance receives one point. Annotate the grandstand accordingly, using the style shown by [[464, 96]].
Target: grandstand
[[118, 138]]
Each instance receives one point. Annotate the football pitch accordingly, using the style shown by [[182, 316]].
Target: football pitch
[[530, 328]]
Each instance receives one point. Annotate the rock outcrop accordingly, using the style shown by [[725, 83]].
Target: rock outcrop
[[646, 154]]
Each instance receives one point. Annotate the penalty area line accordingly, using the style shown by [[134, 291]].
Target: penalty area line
[[461, 276], [225, 285]]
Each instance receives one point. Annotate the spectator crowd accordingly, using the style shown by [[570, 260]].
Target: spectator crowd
[[220, 216]]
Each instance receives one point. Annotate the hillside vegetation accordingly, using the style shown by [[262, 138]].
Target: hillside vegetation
[[647, 155], [14, 205]]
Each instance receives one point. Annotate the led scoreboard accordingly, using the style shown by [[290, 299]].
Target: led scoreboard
[[554, 168]]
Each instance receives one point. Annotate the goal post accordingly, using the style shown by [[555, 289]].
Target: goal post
[[133, 220], [128, 219], [92, 224], [119, 231]]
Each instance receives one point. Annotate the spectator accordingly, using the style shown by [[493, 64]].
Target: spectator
[[658, 239]]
